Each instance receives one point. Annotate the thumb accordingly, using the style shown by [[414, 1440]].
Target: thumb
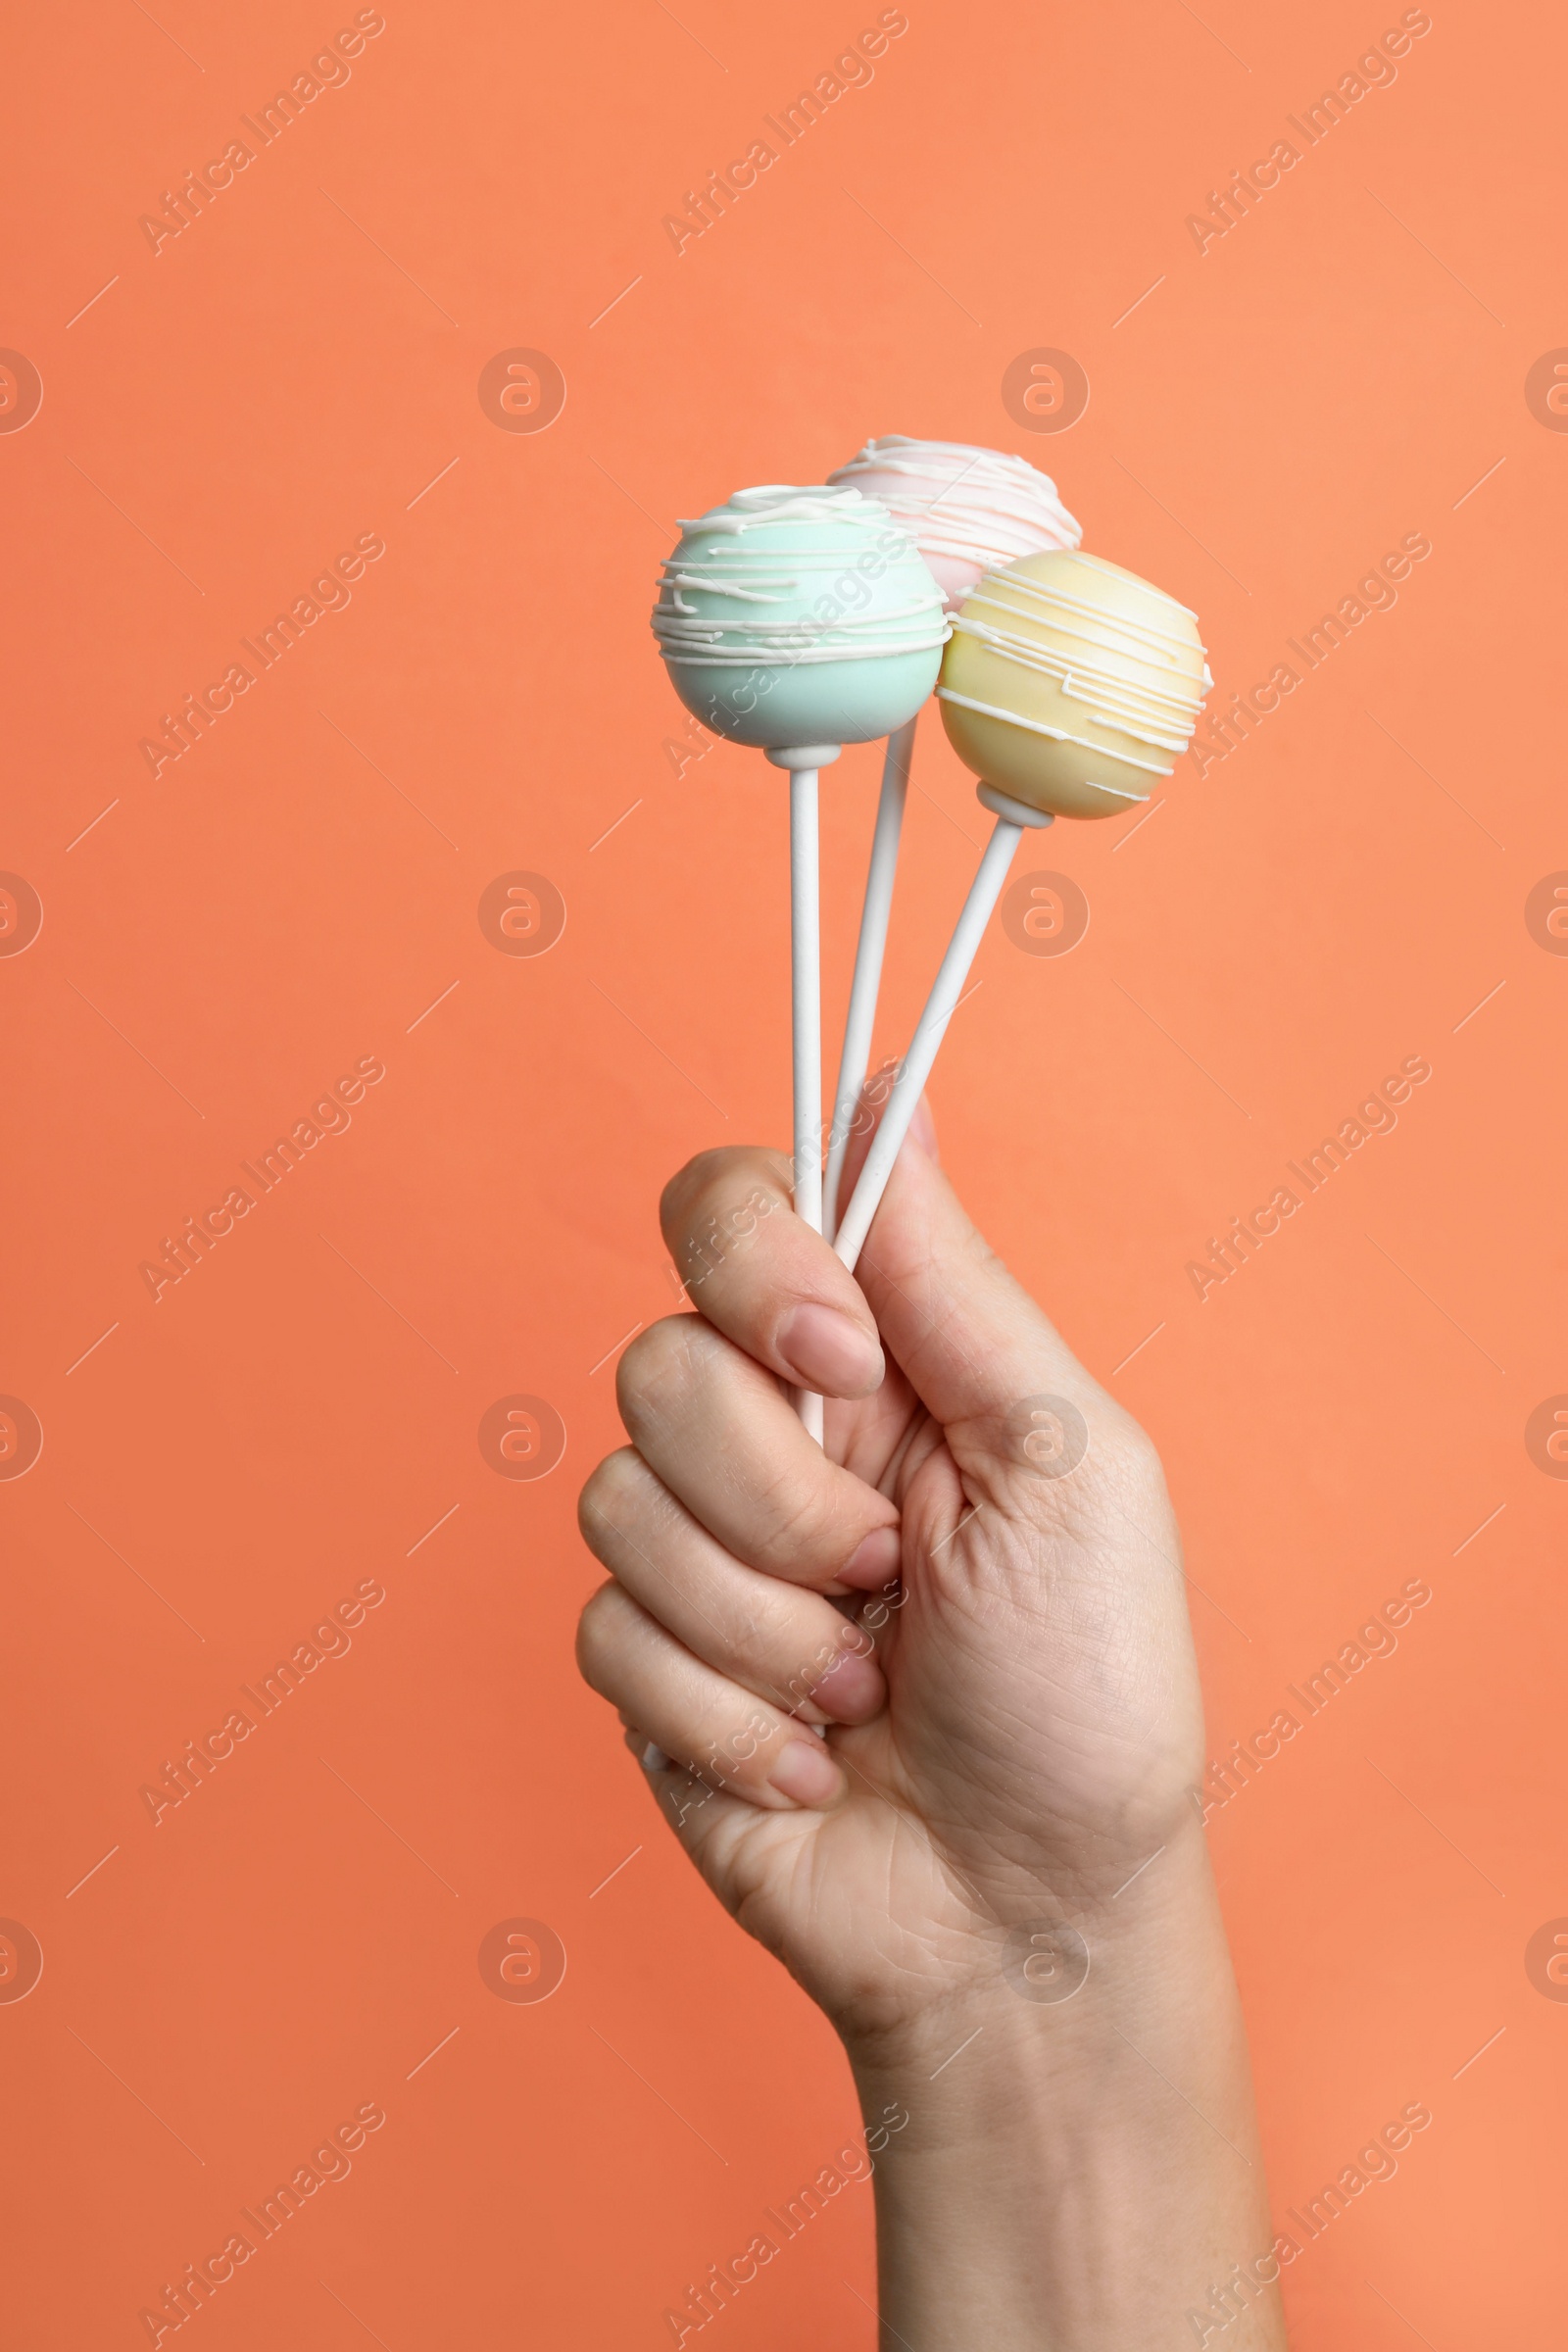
[[982, 1358]]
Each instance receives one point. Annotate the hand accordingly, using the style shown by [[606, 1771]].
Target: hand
[[1015, 1709], [974, 1588]]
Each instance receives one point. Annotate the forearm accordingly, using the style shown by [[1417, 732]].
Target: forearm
[[1085, 2173]]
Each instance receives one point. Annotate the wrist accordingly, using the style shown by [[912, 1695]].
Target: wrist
[[1056, 1984], [1064, 2147]]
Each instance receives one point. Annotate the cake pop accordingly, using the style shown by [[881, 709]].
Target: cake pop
[[1071, 684], [795, 617], [799, 619], [1068, 686], [967, 510]]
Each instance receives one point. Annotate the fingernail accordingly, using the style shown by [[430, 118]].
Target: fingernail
[[806, 1774], [874, 1562], [826, 1350], [923, 1128], [853, 1690], [655, 1759]]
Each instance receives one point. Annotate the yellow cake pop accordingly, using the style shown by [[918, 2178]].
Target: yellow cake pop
[[1071, 685], [1068, 686]]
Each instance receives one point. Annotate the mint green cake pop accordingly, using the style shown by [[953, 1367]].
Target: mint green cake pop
[[799, 616]]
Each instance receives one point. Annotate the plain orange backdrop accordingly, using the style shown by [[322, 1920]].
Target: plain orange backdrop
[[300, 366]]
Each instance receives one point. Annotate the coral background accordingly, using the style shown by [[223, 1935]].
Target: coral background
[[300, 890]]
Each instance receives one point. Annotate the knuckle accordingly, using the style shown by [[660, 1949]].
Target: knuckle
[[797, 1520], [601, 1635], [614, 1486], [1142, 1453], [1123, 1454], [693, 1182], [675, 1203], [717, 1204], [713, 1176], [739, 1749], [779, 1625], [779, 1633], [658, 1369]]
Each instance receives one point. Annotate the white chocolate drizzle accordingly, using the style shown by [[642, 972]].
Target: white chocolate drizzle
[[825, 603], [974, 505], [1159, 706], [1036, 726]]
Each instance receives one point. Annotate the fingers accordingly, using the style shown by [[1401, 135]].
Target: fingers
[[728, 1735], [761, 1277], [722, 1436], [782, 1643]]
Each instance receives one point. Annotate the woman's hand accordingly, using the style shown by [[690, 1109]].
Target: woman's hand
[[1016, 1704], [988, 1870]]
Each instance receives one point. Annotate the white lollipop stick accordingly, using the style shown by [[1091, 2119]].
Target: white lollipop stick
[[867, 980], [1012, 819], [806, 994]]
